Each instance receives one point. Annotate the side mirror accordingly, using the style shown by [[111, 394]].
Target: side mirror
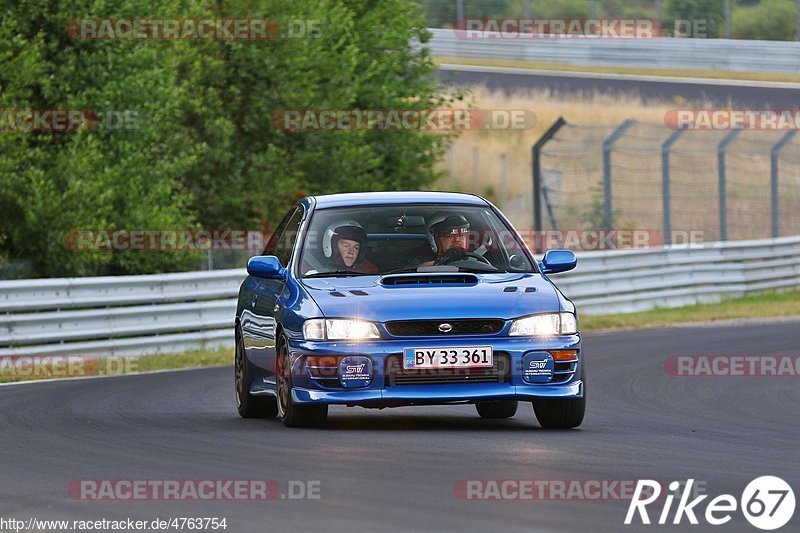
[[558, 261], [266, 266]]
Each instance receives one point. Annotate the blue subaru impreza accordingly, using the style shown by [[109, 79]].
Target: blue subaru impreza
[[405, 298]]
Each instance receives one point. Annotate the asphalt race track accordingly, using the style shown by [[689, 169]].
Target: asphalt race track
[[737, 93], [396, 469]]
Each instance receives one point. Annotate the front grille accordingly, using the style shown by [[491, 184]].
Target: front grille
[[414, 328], [500, 372]]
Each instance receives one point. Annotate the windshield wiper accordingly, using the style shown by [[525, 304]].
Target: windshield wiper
[[400, 271], [481, 270], [432, 270], [335, 273]]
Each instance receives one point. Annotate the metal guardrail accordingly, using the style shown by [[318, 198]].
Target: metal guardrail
[[122, 315], [661, 52], [638, 280], [132, 315]]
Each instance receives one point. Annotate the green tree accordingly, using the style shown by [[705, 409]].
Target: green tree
[[205, 151], [771, 20], [54, 182], [363, 57], [712, 12]]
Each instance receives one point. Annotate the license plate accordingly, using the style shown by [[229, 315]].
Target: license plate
[[457, 357]]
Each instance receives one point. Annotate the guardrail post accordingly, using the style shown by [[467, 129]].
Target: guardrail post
[[665, 184], [536, 168], [608, 145], [773, 168], [723, 192]]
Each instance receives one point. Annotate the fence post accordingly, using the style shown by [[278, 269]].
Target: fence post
[[608, 145], [536, 168], [475, 156], [773, 168], [727, 19], [665, 184], [451, 177], [723, 191]]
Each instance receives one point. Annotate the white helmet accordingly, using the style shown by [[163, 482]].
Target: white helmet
[[343, 229]]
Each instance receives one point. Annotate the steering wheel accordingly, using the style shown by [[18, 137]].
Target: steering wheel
[[478, 257], [472, 255]]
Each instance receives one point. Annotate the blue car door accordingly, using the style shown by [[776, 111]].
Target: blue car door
[[259, 327]]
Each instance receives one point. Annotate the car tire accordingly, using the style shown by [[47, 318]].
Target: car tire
[[249, 406], [291, 413], [497, 408], [560, 413]]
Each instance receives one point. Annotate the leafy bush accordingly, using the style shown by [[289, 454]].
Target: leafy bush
[[772, 20], [205, 152], [710, 11]]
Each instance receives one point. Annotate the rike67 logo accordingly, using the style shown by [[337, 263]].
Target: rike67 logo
[[767, 503]]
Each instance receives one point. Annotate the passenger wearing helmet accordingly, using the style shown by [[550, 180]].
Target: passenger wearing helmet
[[344, 246], [448, 237]]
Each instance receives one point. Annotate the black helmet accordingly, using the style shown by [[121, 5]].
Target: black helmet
[[442, 225]]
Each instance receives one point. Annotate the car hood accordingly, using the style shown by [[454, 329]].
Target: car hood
[[502, 295]]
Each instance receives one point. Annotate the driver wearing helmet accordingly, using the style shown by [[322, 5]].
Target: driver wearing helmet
[[344, 247], [448, 237]]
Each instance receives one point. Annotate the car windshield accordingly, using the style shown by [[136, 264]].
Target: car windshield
[[383, 239]]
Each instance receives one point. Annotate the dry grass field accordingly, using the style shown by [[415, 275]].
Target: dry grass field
[[497, 164]]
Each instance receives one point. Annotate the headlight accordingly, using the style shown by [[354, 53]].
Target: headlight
[[320, 329], [552, 324]]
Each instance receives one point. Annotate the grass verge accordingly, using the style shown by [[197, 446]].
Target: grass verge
[[639, 71], [783, 304], [13, 369]]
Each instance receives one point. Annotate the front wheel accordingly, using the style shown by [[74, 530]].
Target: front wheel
[[249, 406], [291, 413], [497, 408]]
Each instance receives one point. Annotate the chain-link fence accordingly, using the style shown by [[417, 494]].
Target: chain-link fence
[[713, 185]]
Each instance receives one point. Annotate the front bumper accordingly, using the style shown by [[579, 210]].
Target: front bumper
[[382, 391]]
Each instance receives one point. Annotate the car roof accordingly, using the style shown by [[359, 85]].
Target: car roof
[[397, 197]]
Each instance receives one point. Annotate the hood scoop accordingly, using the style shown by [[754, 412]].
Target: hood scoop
[[429, 279]]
